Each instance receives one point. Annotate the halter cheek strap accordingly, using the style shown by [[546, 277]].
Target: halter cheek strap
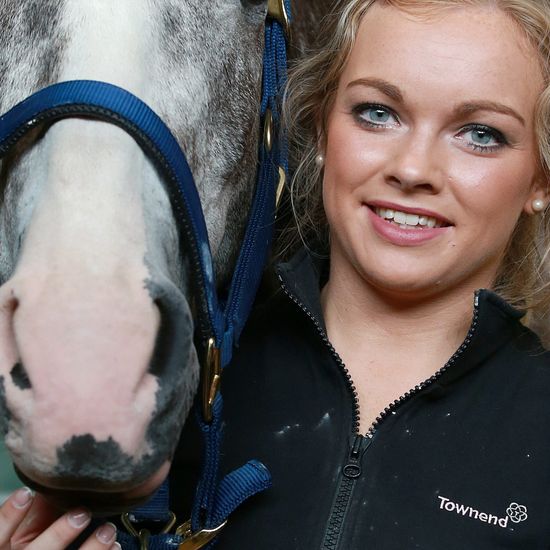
[[215, 501]]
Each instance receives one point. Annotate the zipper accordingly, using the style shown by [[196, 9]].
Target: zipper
[[352, 470]]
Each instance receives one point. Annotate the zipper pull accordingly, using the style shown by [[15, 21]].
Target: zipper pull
[[353, 468]]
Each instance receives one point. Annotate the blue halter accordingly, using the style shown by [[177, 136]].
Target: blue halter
[[219, 325]]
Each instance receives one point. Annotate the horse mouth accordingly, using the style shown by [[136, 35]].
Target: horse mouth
[[103, 500]]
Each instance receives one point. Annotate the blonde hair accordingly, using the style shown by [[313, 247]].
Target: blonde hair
[[523, 278]]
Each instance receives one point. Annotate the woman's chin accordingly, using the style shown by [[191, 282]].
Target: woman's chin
[[102, 500]]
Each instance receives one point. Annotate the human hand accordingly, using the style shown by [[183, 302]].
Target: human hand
[[29, 522]]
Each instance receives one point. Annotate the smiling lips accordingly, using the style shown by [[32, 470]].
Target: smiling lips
[[406, 228]]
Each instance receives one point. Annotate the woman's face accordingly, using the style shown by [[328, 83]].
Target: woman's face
[[430, 149]]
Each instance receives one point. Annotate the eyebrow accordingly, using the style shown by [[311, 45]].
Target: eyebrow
[[382, 85], [466, 109], [462, 110]]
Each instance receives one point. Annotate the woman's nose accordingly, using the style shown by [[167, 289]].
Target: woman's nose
[[415, 164]]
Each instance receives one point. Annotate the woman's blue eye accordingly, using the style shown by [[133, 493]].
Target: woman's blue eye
[[483, 138], [374, 115]]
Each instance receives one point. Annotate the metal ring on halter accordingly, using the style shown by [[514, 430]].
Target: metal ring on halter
[[194, 541], [210, 379], [277, 10], [143, 535]]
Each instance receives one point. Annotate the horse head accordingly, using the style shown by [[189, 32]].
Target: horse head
[[97, 364]]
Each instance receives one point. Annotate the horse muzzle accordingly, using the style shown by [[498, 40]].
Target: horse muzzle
[[93, 388]]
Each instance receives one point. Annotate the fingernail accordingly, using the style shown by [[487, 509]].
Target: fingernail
[[106, 533], [22, 498], [116, 546], [78, 518]]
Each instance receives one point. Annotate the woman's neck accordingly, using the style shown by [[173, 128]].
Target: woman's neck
[[390, 342], [362, 313]]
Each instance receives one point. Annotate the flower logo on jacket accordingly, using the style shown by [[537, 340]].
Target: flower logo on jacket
[[517, 512]]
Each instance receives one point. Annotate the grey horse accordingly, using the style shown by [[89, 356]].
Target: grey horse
[[97, 364]]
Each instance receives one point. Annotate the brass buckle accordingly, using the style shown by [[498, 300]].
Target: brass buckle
[[211, 378], [194, 541], [144, 534], [277, 10]]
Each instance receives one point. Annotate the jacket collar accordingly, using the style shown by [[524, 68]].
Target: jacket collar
[[494, 321], [304, 276]]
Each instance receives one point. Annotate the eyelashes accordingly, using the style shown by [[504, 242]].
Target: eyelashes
[[478, 137], [483, 139]]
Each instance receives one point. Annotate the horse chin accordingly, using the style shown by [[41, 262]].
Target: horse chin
[[101, 498]]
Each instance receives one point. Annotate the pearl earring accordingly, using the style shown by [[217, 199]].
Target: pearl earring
[[538, 205], [320, 160]]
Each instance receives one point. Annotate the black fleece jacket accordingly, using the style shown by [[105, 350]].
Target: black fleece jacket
[[461, 462]]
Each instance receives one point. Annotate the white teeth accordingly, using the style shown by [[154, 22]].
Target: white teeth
[[412, 219], [400, 217], [405, 220]]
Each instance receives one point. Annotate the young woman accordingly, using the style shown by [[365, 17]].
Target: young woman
[[396, 404]]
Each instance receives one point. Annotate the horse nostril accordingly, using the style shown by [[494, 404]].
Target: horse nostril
[[174, 336], [20, 377], [5, 415]]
